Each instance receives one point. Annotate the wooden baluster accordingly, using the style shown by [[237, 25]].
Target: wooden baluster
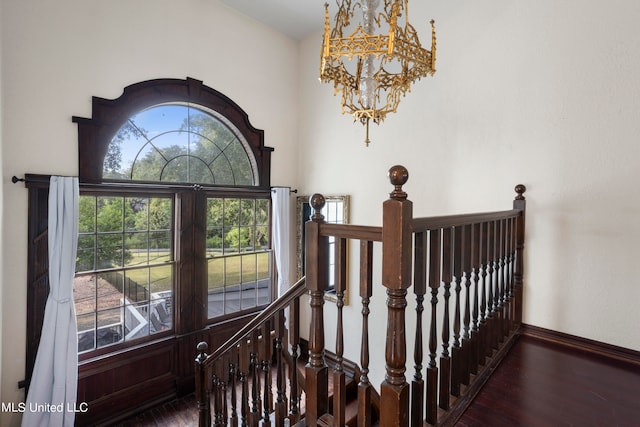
[[505, 277], [482, 342], [475, 268], [244, 369], [224, 373], [316, 266], [419, 289], [432, 368], [366, 286], [445, 359], [499, 282], [521, 204], [256, 402], [466, 337], [495, 336], [456, 348], [512, 248], [489, 267], [397, 215], [281, 393], [217, 399], [339, 388], [267, 396], [233, 377], [202, 390], [294, 339]]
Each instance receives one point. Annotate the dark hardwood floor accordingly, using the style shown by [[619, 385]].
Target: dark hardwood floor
[[538, 384]]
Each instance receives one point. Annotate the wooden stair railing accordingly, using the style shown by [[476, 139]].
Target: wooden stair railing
[[471, 264], [245, 361]]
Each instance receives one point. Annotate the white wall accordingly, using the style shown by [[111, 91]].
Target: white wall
[[57, 55], [543, 93]]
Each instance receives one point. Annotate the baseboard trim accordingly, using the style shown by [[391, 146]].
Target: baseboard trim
[[592, 347]]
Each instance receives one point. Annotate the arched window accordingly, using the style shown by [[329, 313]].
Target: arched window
[[180, 143], [173, 240], [172, 131]]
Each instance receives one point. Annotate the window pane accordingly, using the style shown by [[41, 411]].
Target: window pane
[[264, 260], [85, 260], [239, 278], [231, 240], [247, 212], [232, 270], [84, 294], [137, 246], [110, 214], [86, 332], [232, 212], [110, 251], [262, 212], [87, 214], [262, 238], [136, 321], [160, 278], [132, 240], [136, 285], [215, 214], [109, 328], [214, 242], [160, 214], [216, 274], [109, 292], [179, 143], [161, 315]]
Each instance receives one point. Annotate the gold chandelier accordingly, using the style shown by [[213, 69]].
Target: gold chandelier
[[373, 59]]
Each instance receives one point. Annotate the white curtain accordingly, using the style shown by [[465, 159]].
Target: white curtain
[[51, 400], [281, 214]]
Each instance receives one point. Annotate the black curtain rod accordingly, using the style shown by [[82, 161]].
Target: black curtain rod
[[295, 190]]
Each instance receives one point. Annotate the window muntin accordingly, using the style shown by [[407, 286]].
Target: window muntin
[[180, 143], [238, 255], [123, 287]]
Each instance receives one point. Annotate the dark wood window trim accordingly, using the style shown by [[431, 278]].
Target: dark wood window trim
[[162, 367], [108, 115]]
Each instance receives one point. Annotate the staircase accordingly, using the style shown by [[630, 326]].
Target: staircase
[[465, 272]]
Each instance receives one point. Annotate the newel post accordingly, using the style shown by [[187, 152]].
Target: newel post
[[316, 270], [397, 215], [519, 203], [202, 395]]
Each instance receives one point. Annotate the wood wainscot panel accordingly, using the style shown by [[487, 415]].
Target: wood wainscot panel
[[122, 384]]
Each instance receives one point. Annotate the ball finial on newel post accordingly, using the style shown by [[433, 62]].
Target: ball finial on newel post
[[520, 189], [398, 176], [317, 202]]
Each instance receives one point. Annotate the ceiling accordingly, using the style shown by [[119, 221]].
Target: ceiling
[[295, 18]]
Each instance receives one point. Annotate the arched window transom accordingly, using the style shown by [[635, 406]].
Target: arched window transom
[[180, 143]]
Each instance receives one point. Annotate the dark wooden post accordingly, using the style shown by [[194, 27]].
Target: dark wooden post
[[204, 411], [419, 289], [317, 270], [294, 340], [397, 215], [519, 203], [366, 291]]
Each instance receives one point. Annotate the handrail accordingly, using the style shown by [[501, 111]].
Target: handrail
[[295, 291], [350, 231], [435, 222]]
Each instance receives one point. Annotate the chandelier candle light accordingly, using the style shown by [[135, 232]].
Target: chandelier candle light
[[371, 58]]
